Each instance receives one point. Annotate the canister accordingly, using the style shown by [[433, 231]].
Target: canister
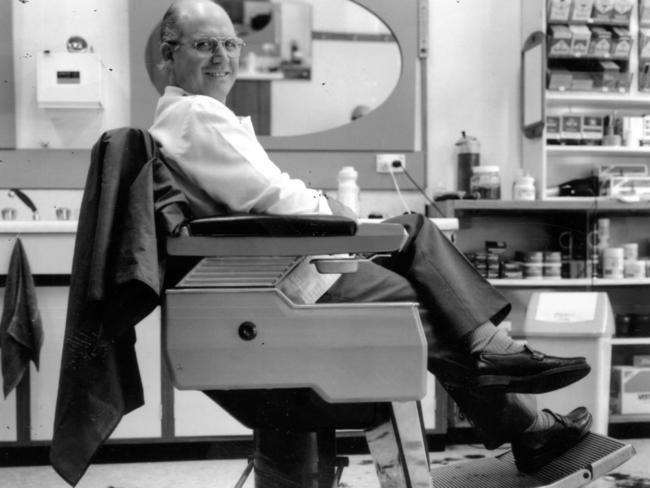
[[613, 263], [523, 188], [469, 156], [486, 182]]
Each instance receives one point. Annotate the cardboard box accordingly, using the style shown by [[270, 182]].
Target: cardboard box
[[560, 43], [559, 80], [630, 389], [641, 360], [601, 42], [622, 11], [621, 42], [580, 39], [644, 12], [582, 10], [603, 10], [644, 43], [559, 10], [571, 129], [592, 128], [553, 129]]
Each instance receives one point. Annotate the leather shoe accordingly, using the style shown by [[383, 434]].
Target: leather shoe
[[526, 371], [533, 450]]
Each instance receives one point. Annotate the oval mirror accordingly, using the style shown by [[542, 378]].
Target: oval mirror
[[308, 65]]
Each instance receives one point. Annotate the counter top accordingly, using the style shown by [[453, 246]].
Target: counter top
[[38, 226]]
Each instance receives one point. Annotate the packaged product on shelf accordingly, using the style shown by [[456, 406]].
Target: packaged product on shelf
[[581, 81], [644, 76], [607, 76], [644, 43], [642, 360], [621, 42], [630, 388], [645, 134], [601, 42], [622, 11], [582, 10], [580, 37], [560, 42], [644, 12], [571, 129], [559, 79], [559, 10], [603, 10], [553, 129], [592, 129]]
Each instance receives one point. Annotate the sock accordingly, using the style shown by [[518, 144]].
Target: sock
[[489, 338], [543, 421]]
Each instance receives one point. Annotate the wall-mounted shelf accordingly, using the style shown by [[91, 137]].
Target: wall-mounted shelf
[[642, 151], [599, 100], [629, 341], [617, 418], [568, 282], [557, 204]]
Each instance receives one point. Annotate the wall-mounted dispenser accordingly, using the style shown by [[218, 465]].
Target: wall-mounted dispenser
[[69, 80]]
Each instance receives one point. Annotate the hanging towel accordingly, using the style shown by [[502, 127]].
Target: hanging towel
[[21, 330]]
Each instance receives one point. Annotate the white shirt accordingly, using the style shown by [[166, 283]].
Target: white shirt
[[219, 154]]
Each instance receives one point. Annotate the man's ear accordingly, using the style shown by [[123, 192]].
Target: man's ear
[[167, 52]]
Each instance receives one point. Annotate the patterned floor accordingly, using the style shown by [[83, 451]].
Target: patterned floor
[[225, 473]]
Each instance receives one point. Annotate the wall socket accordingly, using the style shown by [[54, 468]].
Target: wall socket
[[385, 162]]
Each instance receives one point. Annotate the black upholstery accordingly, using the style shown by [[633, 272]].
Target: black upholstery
[[273, 225]]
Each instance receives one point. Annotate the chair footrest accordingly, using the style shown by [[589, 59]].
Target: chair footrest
[[590, 459]]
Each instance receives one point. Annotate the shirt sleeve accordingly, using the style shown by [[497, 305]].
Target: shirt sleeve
[[222, 156]]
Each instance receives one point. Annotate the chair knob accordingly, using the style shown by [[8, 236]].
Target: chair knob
[[247, 331]]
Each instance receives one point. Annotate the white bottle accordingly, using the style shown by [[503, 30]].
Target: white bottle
[[523, 188], [348, 190]]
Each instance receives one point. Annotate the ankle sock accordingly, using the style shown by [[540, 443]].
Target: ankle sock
[[489, 338], [543, 421]]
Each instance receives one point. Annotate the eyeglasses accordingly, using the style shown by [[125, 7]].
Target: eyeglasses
[[209, 45]]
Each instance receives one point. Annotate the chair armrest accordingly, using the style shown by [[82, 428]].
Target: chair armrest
[[369, 238], [273, 225]]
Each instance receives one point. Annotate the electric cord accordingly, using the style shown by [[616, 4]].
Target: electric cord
[[398, 164], [397, 189]]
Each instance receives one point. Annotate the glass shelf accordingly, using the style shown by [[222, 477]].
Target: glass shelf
[[641, 151]]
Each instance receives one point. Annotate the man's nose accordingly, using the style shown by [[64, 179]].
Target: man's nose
[[220, 52]]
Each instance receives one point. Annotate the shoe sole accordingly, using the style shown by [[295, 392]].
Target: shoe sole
[[544, 382]]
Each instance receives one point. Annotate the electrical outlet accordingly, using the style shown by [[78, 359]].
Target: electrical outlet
[[387, 161]]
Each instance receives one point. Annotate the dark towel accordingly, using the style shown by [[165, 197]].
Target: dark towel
[[21, 330]]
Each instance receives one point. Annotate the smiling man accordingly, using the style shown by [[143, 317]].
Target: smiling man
[[222, 168]]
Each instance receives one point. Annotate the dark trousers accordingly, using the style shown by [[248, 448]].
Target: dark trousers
[[454, 299]]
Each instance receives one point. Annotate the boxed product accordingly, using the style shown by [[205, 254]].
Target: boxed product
[[559, 79], [622, 11], [559, 10], [607, 77], [560, 40], [582, 10], [641, 360], [601, 42], [630, 389], [592, 128], [644, 43], [581, 81], [621, 42], [580, 38], [603, 10], [552, 129], [571, 129], [644, 12]]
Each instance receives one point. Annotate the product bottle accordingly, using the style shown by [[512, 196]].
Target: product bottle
[[468, 156], [348, 189], [523, 188]]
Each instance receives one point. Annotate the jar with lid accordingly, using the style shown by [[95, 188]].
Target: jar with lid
[[523, 188], [486, 182]]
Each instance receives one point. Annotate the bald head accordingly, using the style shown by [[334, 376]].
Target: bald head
[[199, 71]]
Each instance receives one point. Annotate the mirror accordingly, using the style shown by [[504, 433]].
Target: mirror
[[302, 50]]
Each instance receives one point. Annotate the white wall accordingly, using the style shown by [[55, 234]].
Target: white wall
[[46, 25], [473, 85]]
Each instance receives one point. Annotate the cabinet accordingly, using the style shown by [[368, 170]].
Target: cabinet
[[606, 89], [535, 226]]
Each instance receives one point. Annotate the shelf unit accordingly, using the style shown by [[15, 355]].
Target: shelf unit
[[552, 165], [535, 223]]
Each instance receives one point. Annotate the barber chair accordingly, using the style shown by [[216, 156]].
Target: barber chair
[[296, 373]]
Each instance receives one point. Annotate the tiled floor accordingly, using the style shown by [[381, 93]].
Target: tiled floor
[[225, 473]]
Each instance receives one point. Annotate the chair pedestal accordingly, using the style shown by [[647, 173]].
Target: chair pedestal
[[286, 459]]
